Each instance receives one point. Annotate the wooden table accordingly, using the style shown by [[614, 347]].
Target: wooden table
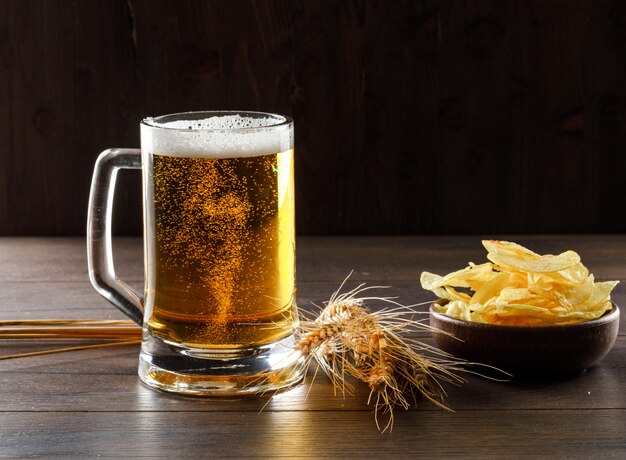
[[91, 403]]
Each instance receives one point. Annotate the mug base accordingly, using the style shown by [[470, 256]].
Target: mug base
[[273, 367]]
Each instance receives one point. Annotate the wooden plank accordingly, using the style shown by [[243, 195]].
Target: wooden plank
[[389, 138], [78, 300], [61, 259], [319, 259], [106, 380], [56, 300], [475, 434], [58, 68]]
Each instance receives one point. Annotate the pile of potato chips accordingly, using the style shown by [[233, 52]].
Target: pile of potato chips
[[521, 288]]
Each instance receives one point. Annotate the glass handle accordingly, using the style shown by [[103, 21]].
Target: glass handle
[[99, 247]]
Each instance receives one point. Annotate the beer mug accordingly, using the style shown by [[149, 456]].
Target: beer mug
[[218, 312]]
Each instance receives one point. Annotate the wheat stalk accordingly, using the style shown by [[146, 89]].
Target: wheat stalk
[[68, 322], [126, 331], [66, 349], [69, 329], [348, 339]]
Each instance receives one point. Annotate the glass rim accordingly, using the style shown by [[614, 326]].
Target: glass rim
[[153, 122]]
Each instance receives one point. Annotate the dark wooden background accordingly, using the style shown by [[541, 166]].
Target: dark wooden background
[[411, 116]]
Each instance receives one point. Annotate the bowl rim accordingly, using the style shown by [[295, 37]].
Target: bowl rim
[[607, 317]]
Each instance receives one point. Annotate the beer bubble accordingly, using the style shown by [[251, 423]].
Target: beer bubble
[[223, 136], [224, 236]]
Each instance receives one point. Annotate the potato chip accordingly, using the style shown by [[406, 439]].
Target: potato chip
[[451, 294], [600, 296], [521, 288], [461, 278], [458, 310], [575, 274], [491, 289], [512, 255]]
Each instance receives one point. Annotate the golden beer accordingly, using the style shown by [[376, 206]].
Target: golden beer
[[219, 309], [224, 249]]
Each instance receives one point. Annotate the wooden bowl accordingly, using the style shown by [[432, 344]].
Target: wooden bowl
[[525, 351]]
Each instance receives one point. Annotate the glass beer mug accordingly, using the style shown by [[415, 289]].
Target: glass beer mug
[[218, 312]]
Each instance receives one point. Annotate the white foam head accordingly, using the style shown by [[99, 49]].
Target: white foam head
[[217, 134]]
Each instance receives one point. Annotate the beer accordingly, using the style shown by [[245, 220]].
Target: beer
[[219, 308], [223, 249]]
